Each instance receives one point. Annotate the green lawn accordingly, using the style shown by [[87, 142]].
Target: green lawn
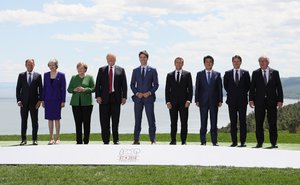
[[73, 174], [283, 137], [36, 174]]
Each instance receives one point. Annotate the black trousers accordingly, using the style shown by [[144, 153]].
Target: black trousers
[[82, 115], [107, 112], [238, 112], [183, 112], [260, 112], [34, 119]]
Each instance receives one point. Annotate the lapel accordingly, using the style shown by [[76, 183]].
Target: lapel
[[231, 74], [261, 78], [106, 74], [116, 70], [182, 76], [147, 71], [242, 72], [203, 76], [212, 77], [173, 76], [139, 71], [270, 74]]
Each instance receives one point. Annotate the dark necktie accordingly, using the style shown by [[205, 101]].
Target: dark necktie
[[237, 77], [110, 79], [208, 77], [265, 77], [177, 77], [143, 73], [29, 79]]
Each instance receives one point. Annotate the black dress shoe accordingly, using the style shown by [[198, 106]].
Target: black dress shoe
[[202, 143], [173, 143], [183, 143], [243, 145], [34, 142], [23, 142], [215, 144], [258, 146], [153, 142], [116, 143], [136, 142], [233, 145], [106, 143], [274, 146]]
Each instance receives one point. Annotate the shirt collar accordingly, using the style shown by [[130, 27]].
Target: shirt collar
[[267, 70]]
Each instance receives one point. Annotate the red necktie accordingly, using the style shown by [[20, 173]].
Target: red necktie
[[110, 79]]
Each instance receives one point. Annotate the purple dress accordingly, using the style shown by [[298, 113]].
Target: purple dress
[[54, 94]]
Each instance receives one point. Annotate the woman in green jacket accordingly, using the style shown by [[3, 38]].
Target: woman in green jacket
[[81, 87]]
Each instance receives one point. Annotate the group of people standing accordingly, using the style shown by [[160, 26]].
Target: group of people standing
[[264, 91]]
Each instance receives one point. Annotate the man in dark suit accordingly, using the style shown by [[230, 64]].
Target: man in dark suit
[[144, 83], [178, 95], [208, 97], [29, 97], [237, 85], [266, 95], [111, 92]]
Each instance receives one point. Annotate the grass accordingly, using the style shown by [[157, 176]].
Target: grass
[[73, 174], [283, 137], [36, 174]]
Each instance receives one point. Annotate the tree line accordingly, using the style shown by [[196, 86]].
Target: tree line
[[288, 119]]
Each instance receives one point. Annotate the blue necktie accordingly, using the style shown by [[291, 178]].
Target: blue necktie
[[208, 77], [29, 79], [265, 78], [143, 73]]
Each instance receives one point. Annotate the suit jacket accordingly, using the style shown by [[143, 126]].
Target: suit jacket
[[102, 83], [208, 94], [57, 89], [150, 83], [272, 91], [179, 93], [237, 94], [84, 98], [29, 94]]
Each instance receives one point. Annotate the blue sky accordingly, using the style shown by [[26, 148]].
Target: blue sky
[[74, 31]]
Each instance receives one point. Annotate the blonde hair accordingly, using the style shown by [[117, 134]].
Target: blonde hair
[[82, 64]]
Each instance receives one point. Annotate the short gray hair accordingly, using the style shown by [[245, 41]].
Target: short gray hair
[[264, 57]]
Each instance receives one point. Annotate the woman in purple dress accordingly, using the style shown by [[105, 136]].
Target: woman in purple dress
[[54, 97]]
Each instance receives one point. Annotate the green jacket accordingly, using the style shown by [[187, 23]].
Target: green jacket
[[85, 98]]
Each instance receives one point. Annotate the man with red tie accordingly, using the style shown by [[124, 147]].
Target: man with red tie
[[111, 92]]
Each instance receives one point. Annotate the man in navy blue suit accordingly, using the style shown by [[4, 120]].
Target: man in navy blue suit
[[208, 97], [237, 85], [144, 83]]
